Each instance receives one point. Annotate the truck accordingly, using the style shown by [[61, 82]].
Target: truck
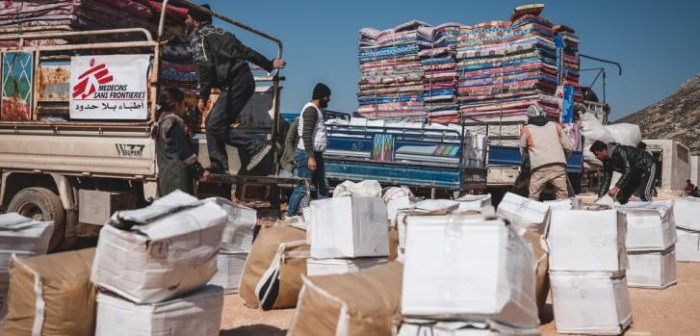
[[74, 171]]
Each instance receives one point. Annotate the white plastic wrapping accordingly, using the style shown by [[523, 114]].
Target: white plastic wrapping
[[316, 267], [592, 241], [625, 134], [687, 213], [564, 204], [367, 188], [348, 227], [688, 246], [229, 269], [650, 226], [19, 233], [460, 328], [590, 303], [523, 213], [196, 314], [468, 267], [652, 269], [474, 202], [238, 234], [172, 254]]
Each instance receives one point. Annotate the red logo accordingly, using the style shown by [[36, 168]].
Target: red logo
[[90, 79]]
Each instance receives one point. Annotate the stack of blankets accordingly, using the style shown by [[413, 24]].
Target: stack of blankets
[[569, 64], [491, 71], [76, 15], [48, 16], [440, 74], [507, 66], [392, 81]]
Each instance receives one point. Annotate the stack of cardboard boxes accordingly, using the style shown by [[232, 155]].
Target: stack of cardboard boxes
[[235, 244], [687, 216], [152, 266], [347, 234], [466, 273], [587, 267], [650, 242]]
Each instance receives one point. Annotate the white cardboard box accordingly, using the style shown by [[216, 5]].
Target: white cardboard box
[[468, 267], [349, 227], [460, 328], [650, 226], [19, 233], [229, 265], [316, 267], [687, 213], [592, 241], [590, 303], [523, 213], [174, 253], [563, 204], [474, 202], [5, 257], [652, 269], [238, 234], [688, 246], [196, 314]]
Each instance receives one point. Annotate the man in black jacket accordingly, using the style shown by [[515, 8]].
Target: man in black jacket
[[638, 169], [222, 62]]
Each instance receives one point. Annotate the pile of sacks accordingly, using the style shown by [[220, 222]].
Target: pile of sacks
[[593, 130]]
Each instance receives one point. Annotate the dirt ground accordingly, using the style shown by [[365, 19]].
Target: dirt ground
[[671, 311]]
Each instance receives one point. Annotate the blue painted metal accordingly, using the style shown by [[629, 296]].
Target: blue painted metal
[[412, 157], [510, 156]]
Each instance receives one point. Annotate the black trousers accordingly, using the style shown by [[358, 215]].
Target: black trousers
[[226, 109], [641, 183]]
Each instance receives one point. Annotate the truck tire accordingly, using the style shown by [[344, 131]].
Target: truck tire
[[41, 204]]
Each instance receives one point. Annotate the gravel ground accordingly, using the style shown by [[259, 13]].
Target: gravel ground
[[656, 312]]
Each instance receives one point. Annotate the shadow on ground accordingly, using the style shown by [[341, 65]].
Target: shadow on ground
[[254, 330]]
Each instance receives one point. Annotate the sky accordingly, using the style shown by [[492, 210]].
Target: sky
[[657, 43]]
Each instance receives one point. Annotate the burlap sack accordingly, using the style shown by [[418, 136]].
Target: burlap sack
[[52, 295], [365, 303], [393, 243], [282, 248], [542, 270]]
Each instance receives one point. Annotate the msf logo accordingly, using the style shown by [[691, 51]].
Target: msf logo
[[92, 78], [130, 150]]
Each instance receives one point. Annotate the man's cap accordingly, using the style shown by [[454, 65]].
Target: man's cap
[[534, 111], [200, 16], [321, 91]]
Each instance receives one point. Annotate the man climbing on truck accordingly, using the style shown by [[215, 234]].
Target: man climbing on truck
[[546, 146], [638, 169], [222, 62]]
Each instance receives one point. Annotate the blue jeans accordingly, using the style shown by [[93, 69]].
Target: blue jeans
[[318, 179]]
